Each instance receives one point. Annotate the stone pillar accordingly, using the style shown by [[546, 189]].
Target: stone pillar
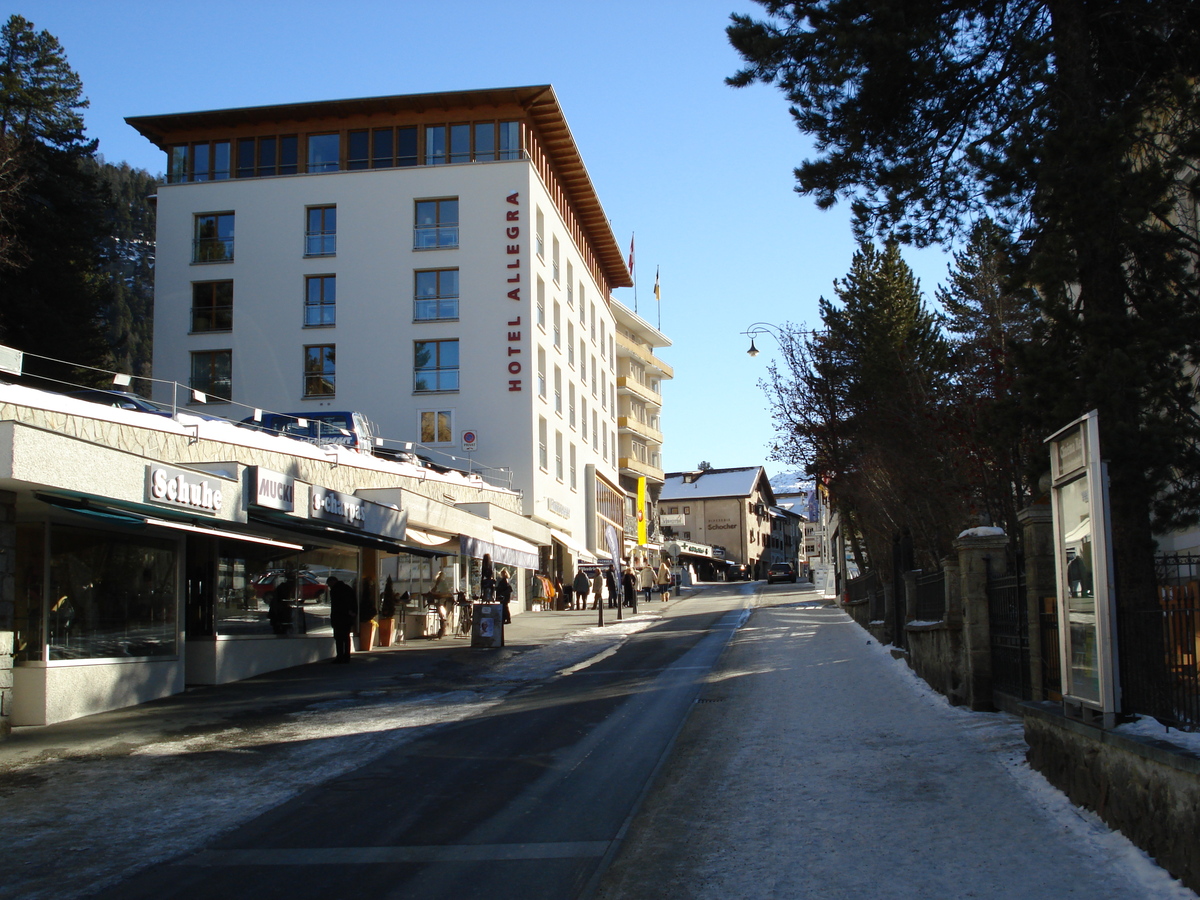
[[974, 551], [910, 593], [954, 615], [1040, 583], [8, 564]]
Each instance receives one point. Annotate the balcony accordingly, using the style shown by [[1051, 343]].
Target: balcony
[[642, 353], [635, 387], [632, 466], [641, 429]]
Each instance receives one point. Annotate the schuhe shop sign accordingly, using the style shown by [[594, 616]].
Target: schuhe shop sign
[[176, 488]]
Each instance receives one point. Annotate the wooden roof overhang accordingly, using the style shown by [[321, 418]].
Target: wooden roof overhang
[[539, 102]]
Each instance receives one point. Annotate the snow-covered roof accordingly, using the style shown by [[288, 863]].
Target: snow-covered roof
[[712, 483]]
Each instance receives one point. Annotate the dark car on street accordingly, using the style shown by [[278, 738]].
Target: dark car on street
[[737, 572], [781, 572]]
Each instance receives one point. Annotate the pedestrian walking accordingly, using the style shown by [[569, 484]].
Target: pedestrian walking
[[629, 584], [504, 593], [582, 586], [647, 581], [664, 579], [343, 616], [597, 590]]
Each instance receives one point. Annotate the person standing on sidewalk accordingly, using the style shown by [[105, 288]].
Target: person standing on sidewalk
[[597, 590], [504, 594], [629, 586], [343, 616], [582, 586], [664, 579], [647, 581]]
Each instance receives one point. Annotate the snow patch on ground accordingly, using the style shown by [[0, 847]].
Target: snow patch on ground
[[1004, 735]]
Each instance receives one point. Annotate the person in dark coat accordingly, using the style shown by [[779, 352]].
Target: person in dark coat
[[582, 585], [629, 583], [504, 593], [343, 616], [487, 579], [614, 596]]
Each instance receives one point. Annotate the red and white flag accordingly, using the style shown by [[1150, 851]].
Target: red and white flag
[[631, 256]]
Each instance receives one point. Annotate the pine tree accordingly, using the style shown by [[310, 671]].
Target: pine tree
[[1076, 125], [53, 225]]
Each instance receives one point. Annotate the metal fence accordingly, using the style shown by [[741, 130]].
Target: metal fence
[[930, 602], [867, 587], [1159, 648], [1008, 620]]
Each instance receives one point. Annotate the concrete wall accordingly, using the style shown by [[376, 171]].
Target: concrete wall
[[8, 548], [221, 660], [44, 695], [1148, 789]]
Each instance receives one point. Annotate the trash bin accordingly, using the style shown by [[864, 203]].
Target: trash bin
[[487, 625]]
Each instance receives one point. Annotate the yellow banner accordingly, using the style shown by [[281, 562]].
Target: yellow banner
[[641, 510]]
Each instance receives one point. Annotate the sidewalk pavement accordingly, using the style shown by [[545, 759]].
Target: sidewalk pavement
[[815, 765], [414, 666]]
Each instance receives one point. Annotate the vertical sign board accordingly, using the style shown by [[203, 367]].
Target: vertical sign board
[[1083, 566]]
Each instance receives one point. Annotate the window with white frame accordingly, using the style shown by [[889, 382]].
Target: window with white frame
[[570, 284], [557, 326], [594, 382], [571, 344], [571, 404], [583, 420], [554, 259], [541, 372], [603, 389], [595, 431], [592, 327], [541, 303], [436, 426], [603, 341], [558, 455], [604, 441], [543, 430], [582, 305], [558, 403], [572, 471], [539, 240]]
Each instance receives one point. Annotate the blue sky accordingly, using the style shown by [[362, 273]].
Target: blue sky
[[700, 172]]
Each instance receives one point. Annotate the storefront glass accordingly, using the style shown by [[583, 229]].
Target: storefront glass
[[263, 590], [110, 595]]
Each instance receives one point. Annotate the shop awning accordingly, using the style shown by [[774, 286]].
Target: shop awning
[[583, 553], [504, 549], [325, 532]]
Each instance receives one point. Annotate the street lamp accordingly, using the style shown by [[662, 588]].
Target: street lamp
[[774, 331], [760, 328]]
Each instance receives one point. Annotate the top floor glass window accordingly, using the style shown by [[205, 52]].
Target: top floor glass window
[[436, 224], [324, 152], [320, 234], [213, 238], [205, 161]]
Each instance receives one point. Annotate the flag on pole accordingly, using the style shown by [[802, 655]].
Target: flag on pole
[[631, 237], [657, 295]]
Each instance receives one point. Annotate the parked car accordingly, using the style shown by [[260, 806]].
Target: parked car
[[781, 572], [312, 588], [737, 572], [135, 402], [352, 429]]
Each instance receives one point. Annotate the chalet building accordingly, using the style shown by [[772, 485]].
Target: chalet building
[[724, 508]]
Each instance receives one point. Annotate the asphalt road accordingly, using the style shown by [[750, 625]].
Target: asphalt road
[[530, 799]]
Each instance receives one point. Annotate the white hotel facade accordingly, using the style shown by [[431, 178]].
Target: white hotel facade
[[439, 262]]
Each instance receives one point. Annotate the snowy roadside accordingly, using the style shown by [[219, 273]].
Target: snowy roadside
[[80, 821], [1004, 735]]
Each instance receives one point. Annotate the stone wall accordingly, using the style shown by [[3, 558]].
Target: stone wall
[[1146, 788], [935, 652]]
